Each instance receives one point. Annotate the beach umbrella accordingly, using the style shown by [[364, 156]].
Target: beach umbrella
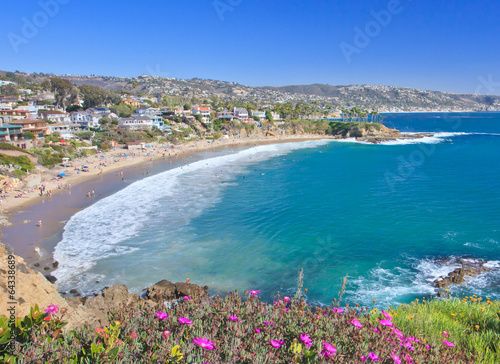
[[62, 174]]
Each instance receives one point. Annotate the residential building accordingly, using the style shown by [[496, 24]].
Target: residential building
[[54, 115], [66, 131], [225, 115], [15, 114], [203, 111], [260, 114], [240, 113], [135, 123], [35, 126]]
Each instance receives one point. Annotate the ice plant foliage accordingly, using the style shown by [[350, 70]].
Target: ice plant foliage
[[206, 329]]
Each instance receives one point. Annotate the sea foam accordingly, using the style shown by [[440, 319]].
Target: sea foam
[[171, 199]]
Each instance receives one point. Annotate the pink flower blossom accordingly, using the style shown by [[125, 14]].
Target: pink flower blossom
[[133, 335], [161, 315], [374, 329], [204, 343], [277, 343], [306, 339], [52, 310], [185, 321], [445, 334], [233, 318], [286, 299], [165, 334], [254, 293], [373, 357], [356, 323], [338, 310], [386, 323], [396, 358], [387, 315], [363, 358], [329, 348], [447, 343], [187, 298], [257, 331], [427, 347]]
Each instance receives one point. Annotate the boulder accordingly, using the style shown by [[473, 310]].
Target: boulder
[[457, 276]]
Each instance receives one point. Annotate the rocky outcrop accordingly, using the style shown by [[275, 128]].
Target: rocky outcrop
[[457, 276], [34, 288], [166, 291]]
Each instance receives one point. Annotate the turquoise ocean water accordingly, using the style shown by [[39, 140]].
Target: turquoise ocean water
[[389, 216]]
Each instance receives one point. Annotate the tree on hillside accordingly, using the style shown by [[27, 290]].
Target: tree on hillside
[[61, 88], [269, 116], [73, 108], [114, 98], [122, 110], [8, 90], [46, 86], [93, 96]]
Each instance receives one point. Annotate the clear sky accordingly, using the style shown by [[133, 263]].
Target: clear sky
[[446, 45]]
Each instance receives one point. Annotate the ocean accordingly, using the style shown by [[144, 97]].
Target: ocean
[[393, 217]]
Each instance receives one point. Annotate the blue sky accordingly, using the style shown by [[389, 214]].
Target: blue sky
[[446, 45]]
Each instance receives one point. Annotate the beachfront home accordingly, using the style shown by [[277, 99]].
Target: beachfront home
[[136, 122], [98, 110], [260, 114], [13, 135], [35, 126], [66, 131], [14, 114], [225, 115], [138, 144], [240, 113], [203, 111], [54, 115]]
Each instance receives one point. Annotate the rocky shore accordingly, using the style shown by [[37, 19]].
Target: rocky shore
[[33, 287]]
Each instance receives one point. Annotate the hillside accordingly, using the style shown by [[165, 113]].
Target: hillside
[[322, 97]]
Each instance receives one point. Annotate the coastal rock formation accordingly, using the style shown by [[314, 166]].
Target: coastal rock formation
[[457, 276], [165, 290], [33, 288]]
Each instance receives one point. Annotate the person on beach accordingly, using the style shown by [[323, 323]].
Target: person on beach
[[39, 223]]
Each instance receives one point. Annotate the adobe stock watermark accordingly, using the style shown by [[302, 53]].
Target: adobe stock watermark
[[408, 164], [40, 19], [223, 6], [156, 72], [363, 36], [488, 85]]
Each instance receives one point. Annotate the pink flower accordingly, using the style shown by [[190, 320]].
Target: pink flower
[[374, 329], [52, 310], [427, 347], [286, 299], [447, 343], [329, 348], [387, 315], [233, 318], [254, 293], [187, 298], [338, 310], [161, 315], [396, 358], [386, 323], [277, 343], [445, 334], [204, 343], [266, 322], [165, 334], [134, 335], [373, 357], [257, 331], [306, 339], [356, 323], [185, 321], [363, 358]]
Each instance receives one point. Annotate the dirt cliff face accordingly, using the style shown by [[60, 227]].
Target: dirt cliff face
[[373, 133]]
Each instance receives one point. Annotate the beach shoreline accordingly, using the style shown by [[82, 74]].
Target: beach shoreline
[[36, 243]]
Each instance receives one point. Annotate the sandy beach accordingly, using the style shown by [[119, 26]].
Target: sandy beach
[[107, 173]]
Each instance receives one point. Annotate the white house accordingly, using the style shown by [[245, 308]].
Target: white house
[[203, 111], [260, 114], [54, 115], [65, 130], [135, 123]]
